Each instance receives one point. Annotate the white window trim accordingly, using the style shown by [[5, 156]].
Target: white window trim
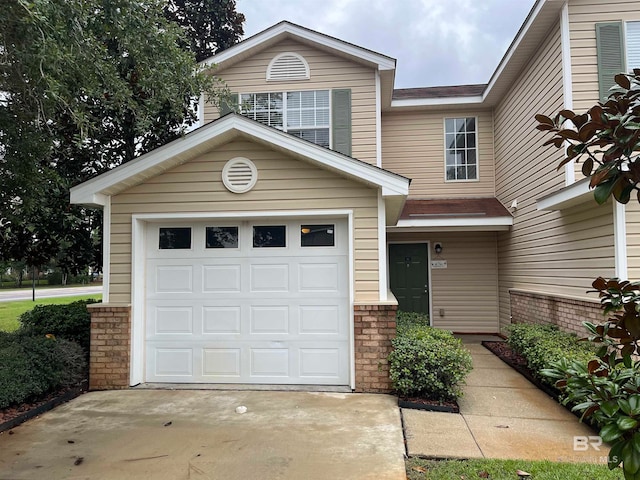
[[284, 110], [625, 24], [288, 79], [444, 138]]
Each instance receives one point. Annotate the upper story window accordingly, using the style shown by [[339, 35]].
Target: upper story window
[[305, 114], [633, 45], [461, 148], [618, 49]]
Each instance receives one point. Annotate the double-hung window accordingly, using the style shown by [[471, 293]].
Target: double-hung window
[[618, 47], [305, 114], [461, 148]]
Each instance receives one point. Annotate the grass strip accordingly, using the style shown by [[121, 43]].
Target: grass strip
[[421, 469], [10, 311]]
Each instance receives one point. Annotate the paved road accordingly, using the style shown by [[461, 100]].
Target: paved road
[[25, 293]]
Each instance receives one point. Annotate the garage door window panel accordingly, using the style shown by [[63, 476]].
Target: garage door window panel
[[269, 236], [221, 237], [317, 236], [174, 238]]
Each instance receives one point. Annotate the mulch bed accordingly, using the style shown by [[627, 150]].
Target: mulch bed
[[418, 403], [503, 351], [13, 416]]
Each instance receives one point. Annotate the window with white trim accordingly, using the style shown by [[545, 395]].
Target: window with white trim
[[305, 114], [461, 149], [633, 45]]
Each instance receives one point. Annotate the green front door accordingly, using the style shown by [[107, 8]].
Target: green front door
[[409, 276]]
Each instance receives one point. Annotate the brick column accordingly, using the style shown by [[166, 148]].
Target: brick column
[[110, 346], [567, 313], [374, 328]]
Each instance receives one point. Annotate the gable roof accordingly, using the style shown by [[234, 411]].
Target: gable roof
[[535, 29], [94, 192], [440, 92], [385, 65]]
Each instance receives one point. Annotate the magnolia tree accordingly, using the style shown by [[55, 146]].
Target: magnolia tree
[[606, 140]]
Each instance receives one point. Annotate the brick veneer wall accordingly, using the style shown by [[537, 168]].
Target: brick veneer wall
[[110, 346], [568, 314], [374, 328]]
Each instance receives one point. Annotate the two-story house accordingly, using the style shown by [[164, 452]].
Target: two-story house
[[273, 244]]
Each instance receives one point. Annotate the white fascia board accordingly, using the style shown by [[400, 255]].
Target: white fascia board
[[383, 62], [88, 198], [391, 184], [495, 77], [437, 102], [80, 193], [533, 14], [457, 222], [566, 197]]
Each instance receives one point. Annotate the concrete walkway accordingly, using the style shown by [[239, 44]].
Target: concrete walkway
[[502, 415]]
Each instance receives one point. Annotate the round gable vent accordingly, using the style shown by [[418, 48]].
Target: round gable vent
[[239, 175]]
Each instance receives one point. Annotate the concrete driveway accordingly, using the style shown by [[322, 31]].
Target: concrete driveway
[[186, 434]]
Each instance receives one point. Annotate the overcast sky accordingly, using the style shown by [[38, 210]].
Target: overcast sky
[[436, 42]]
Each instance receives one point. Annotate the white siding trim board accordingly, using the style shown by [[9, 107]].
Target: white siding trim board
[[106, 249], [567, 81], [383, 284], [620, 240]]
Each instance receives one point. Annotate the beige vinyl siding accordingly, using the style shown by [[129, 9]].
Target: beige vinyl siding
[[326, 72], [413, 146], [583, 16], [633, 239], [467, 290], [283, 184], [548, 252]]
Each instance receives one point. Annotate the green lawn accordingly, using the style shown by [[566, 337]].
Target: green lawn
[[420, 469], [10, 311]]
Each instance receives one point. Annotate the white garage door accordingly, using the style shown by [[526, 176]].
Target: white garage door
[[248, 302]]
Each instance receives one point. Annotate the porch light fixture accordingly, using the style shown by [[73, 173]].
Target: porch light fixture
[[438, 248]]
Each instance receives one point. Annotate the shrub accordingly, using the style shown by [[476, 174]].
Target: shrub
[[544, 345], [427, 362], [33, 366], [70, 322]]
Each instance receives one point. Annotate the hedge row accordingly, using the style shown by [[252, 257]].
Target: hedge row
[[542, 345], [49, 351], [427, 362]]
